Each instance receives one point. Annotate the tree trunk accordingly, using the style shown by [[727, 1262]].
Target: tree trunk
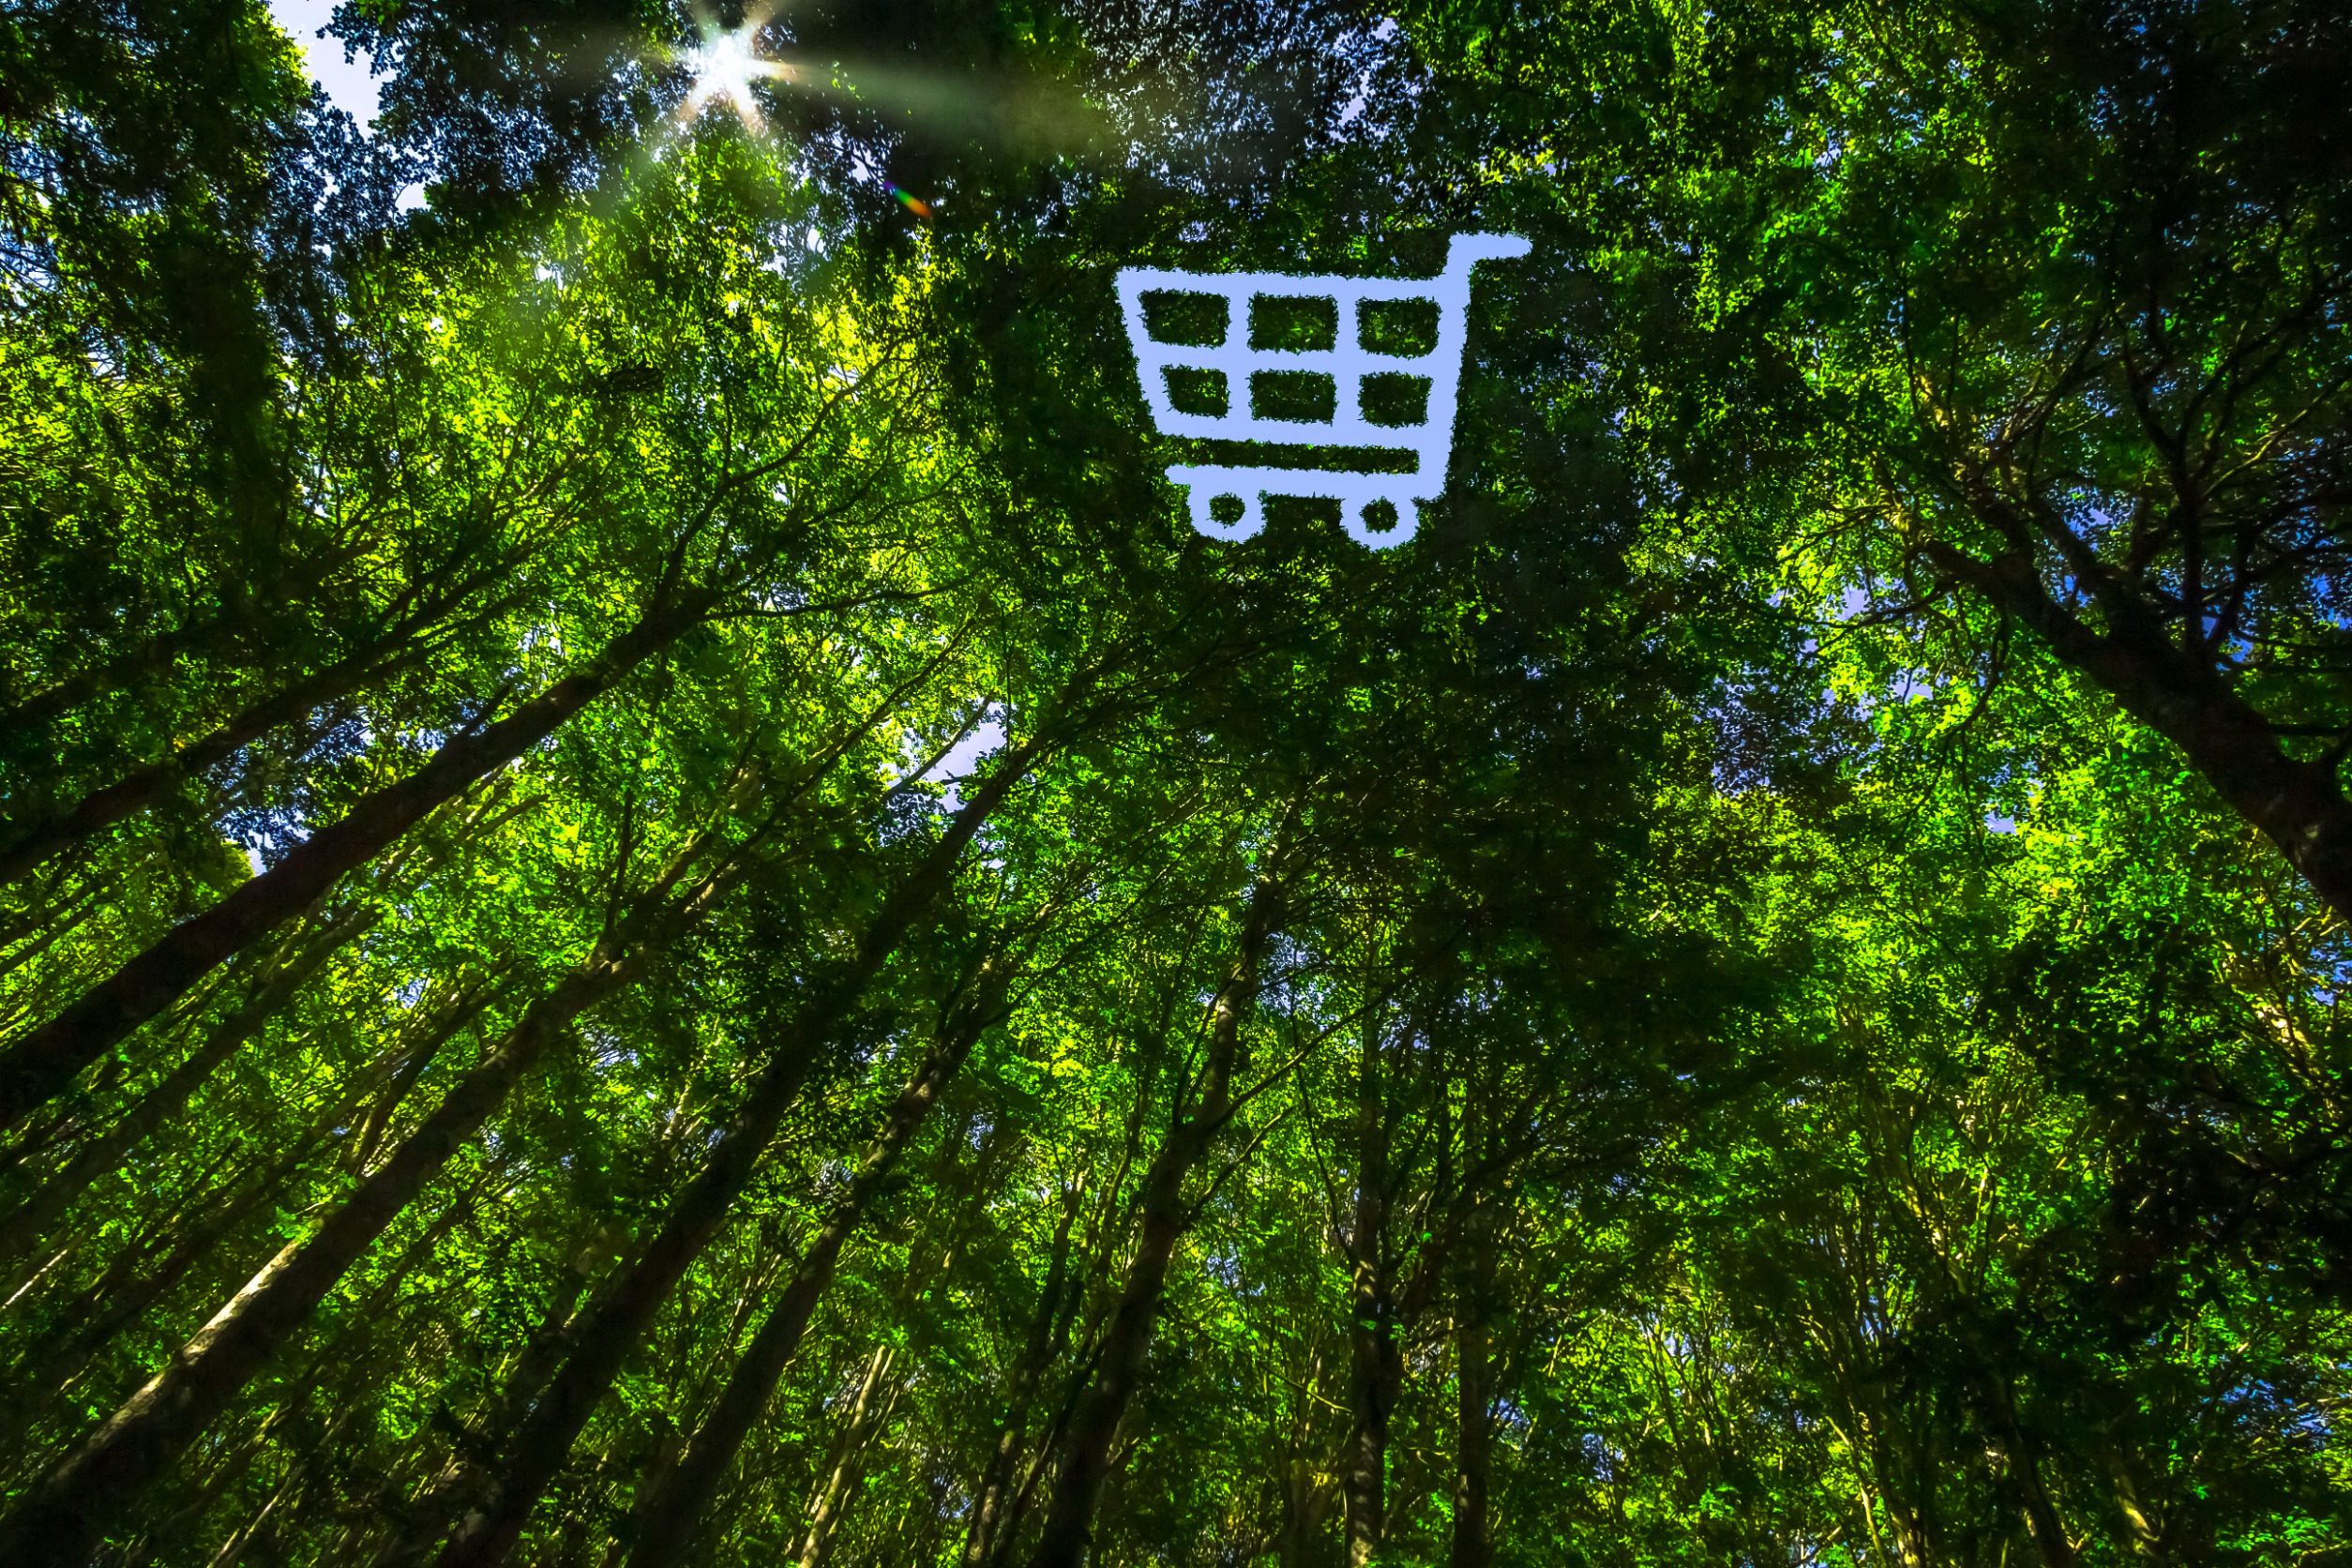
[[39, 1064], [1474, 1432], [399, 643], [1373, 1369], [45, 707], [2300, 806], [2042, 1521], [118, 1300], [832, 1502], [118, 1303], [620, 1319], [24, 845], [669, 1519], [60, 1518], [1084, 1461], [22, 1227], [427, 1519], [1046, 1331]]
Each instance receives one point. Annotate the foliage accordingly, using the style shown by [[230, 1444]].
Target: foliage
[[654, 905]]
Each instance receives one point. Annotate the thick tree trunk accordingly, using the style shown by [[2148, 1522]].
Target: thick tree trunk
[[39, 1064], [63, 1515], [23, 1227], [1084, 1461], [2299, 805], [618, 1320], [1047, 1332], [669, 1519]]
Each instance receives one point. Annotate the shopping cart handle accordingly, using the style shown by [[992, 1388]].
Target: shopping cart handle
[[1468, 251]]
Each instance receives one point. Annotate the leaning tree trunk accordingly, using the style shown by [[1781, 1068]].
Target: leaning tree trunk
[[23, 1226], [43, 708], [123, 1303], [24, 845], [1046, 1331], [1084, 1461], [427, 1518], [59, 1519], [2297, 804], [39, 1064], [620, 1319], [832, 1502], [669, 1519]]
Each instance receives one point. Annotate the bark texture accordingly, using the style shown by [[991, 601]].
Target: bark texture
[[40, 1064], [1084, 1461], [667, 1525], [488, 1535]]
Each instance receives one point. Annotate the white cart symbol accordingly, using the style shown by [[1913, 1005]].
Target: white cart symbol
[[1230, 372]]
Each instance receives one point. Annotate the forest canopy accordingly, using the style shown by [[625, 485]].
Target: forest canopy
[[658, 905]]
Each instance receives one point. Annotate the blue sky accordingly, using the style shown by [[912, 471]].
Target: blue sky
[[347, 82]]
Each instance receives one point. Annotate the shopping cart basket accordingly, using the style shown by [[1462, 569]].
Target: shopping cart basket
[[1233, 370]]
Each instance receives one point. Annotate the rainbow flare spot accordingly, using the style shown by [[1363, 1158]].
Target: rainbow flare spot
[[915, 204]]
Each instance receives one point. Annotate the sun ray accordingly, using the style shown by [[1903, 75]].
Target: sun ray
[[725, 65]]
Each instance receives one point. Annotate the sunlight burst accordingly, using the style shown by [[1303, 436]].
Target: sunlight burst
[[725, 66]]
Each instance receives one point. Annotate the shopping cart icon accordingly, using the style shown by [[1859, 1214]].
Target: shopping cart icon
[[1357, 390]]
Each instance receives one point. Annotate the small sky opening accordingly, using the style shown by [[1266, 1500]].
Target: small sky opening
[[351, 84]]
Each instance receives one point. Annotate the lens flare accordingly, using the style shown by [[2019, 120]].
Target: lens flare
[[915, 204]]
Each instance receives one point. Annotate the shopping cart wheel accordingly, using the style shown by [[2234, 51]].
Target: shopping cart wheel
[[1204, 520], [1392, 517]]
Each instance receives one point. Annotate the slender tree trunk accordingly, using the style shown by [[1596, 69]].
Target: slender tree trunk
[[1084, 1461], [402, 643], [618, 1320], [23, 1227], [1373, 1373], [117, 1304], [1046, 1332], [300, 1472], [39, 1064], [2300, 806], [59, 1518], [25, 844], [341, 1352], [669, 1519], [2042, 1520], [831, 1505], [1474, 1432], [24, 725], [451, 1491]]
